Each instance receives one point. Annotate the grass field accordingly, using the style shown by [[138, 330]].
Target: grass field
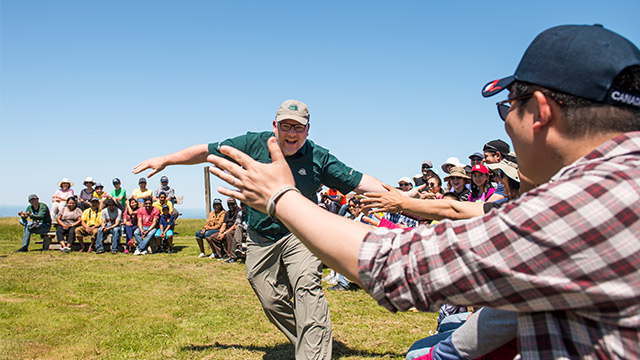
[[165, 306]]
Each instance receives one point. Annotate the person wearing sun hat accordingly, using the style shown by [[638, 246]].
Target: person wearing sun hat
[[277, 263], [86, 194], [458, 179], [59, 199]]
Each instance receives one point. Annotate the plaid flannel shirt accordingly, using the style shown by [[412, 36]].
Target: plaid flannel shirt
[[565, 256]]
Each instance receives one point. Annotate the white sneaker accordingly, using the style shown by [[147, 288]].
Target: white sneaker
[[144, 253], [137, 252], [212, 256], [202, 255]]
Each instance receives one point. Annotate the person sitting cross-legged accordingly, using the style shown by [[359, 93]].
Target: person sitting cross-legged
[[111, 217]]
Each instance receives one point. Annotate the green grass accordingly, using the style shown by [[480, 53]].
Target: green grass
[[165, 306]]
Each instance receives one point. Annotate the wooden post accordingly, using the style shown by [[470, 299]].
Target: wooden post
[[207, 191]]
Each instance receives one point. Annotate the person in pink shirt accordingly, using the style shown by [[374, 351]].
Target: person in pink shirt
[[59, 199], [147, 223]]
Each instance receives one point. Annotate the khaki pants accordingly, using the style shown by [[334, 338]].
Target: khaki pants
[[286, 276]]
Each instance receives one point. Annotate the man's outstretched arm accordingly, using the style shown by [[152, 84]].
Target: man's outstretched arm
[[334, 240], [195, 154]]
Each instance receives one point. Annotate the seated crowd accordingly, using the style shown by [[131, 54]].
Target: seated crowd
[[145, 217]]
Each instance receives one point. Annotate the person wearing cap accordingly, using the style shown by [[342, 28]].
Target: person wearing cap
[[278, 265], [481, 189], [91, 222], [404, 184], [458, 179], [165, 188], [86, 194], [495, 151], [148, 217], [59, 199], [224, 239], [475, 159], [427, 171], [141, 193], [210, 228], [110, 220], [564, 255], [165, 229], [119, 194], [36, 219], [101, 195]]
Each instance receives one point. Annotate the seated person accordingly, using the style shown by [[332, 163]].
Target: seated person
[[119, 195], [86, 194], [165, 188], [59, 199], [148, 217], [458, 178], [165, 231], [68, 219], [481, 189], [142, 192], [101, 195], [36, 219], [211, 227], [90, 224], [226, 236], [239, 233], [130, 224], [110, 220], [162, 201]]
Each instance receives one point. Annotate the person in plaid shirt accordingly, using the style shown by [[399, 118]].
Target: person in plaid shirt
[[565, 255]]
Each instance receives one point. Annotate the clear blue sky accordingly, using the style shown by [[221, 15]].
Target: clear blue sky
[[90, 88]]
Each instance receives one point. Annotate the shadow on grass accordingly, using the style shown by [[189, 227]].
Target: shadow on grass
[[286, 351]]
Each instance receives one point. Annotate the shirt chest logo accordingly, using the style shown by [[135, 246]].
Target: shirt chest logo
[[302, 172]]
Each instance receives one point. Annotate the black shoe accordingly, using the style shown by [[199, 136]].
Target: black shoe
[[240, 253], [113, 252], [21, 250], [169, 251], [101, 251], [230, 260], [339, 287]]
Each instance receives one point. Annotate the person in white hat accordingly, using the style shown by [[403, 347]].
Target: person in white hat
[[279, 267], [86, 194], [59, 199]]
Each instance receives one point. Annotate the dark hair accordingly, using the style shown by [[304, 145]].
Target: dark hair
[[434, 176], [147, 199], [451, 196], [75, 200], [162, 193], [111, 202], [355, 201], [513, 185], [476, 191], [584, 116]]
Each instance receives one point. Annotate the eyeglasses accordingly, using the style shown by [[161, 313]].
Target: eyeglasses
[[432, 185], [405, 184], [504, 106], [299, 128]]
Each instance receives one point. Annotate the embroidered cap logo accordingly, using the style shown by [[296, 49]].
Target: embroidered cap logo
[[293, 107]]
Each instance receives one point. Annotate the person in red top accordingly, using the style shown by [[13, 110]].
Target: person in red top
[[147, 223]]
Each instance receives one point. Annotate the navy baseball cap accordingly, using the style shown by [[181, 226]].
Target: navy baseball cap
[[579, 60], [164, 178]]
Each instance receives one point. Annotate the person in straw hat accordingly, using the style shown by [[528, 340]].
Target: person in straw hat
[[458, 179], [59, 199]]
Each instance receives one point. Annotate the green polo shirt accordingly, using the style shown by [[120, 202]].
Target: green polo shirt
[[311, 166]]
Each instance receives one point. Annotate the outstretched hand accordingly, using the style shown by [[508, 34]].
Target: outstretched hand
[[157, 164], [255, 181], [390, 201]]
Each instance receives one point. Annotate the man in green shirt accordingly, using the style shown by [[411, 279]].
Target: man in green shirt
[[284, 274], [119, 195], [36, 220]]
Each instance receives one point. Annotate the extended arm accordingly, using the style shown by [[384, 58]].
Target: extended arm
[[192, 155], [394, 201], [336, 245]]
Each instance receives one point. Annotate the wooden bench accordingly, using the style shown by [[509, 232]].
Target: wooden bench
[[49, 241]]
